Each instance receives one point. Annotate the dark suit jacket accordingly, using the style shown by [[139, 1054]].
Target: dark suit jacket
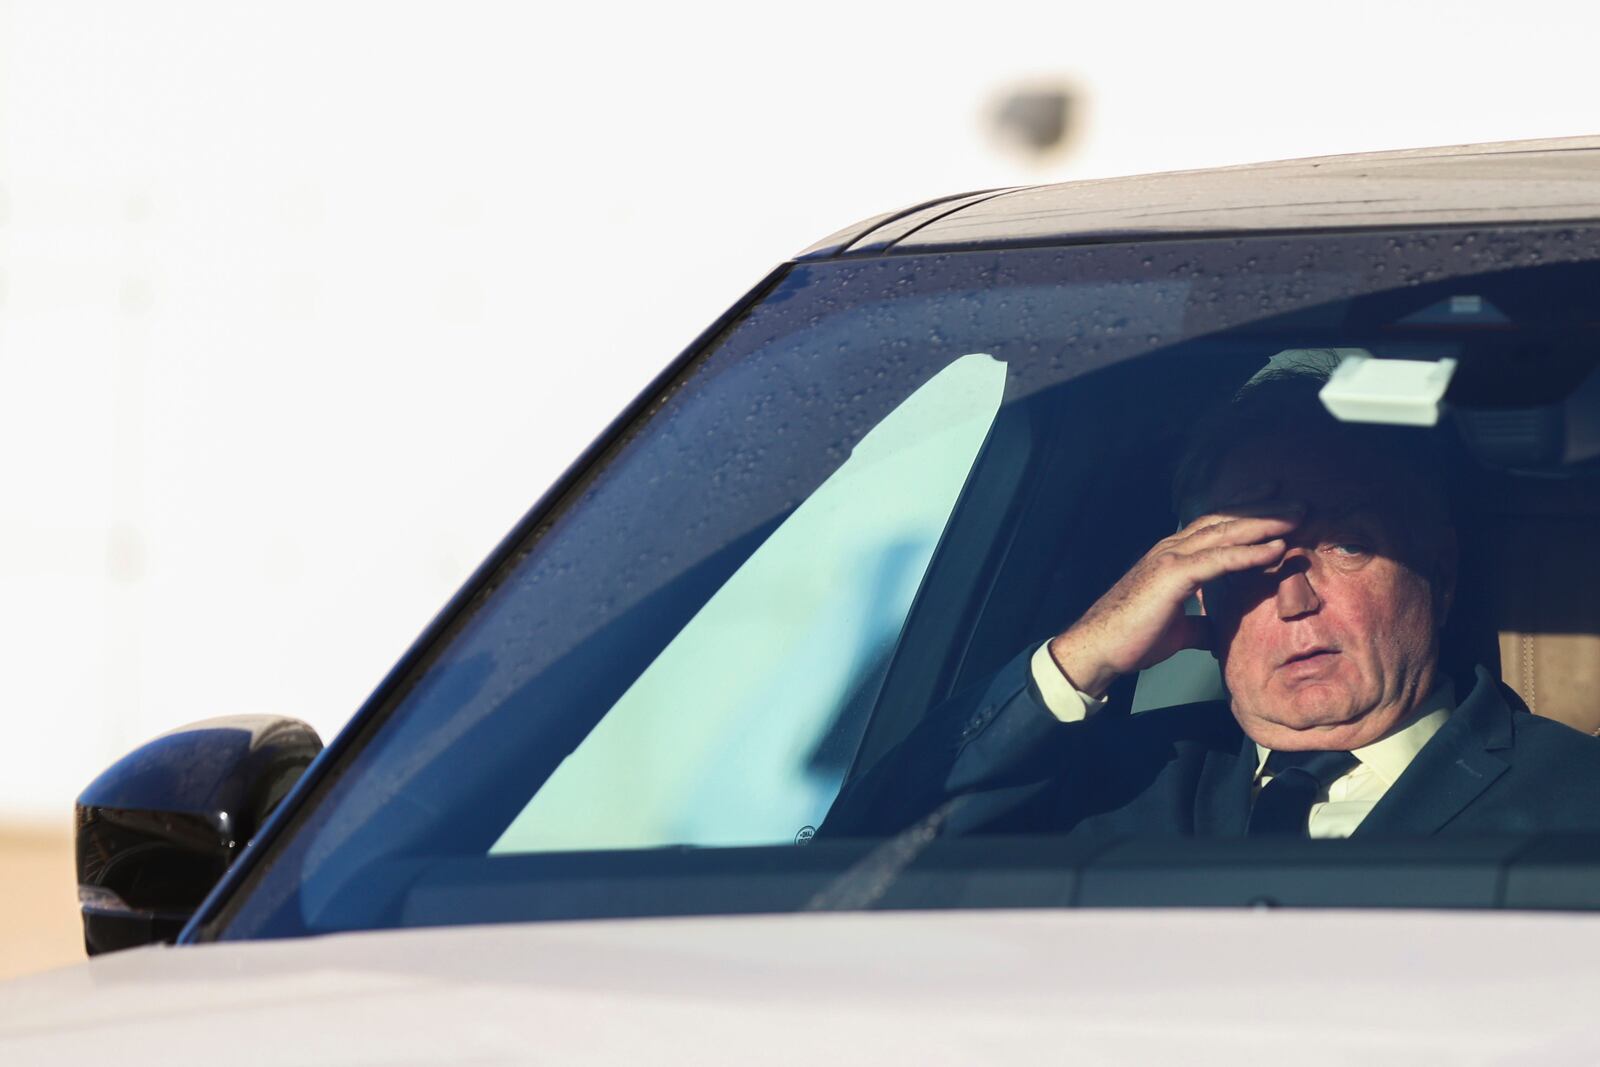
[[1493, 768]]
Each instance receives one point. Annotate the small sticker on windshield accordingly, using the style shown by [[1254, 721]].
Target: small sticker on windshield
[[1394, 392]]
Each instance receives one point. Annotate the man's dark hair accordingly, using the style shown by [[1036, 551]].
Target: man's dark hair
[[1281, 409]]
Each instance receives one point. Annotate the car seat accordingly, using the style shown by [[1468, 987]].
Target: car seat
[[1542, 571]]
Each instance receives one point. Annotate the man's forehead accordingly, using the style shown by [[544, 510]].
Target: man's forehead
[[1333, 484]]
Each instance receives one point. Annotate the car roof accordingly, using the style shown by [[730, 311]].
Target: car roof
[[1555, 180]]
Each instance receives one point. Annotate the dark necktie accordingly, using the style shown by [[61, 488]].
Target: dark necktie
[[1284, 804]]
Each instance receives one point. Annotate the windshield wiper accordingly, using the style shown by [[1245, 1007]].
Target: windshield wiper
[[865, 882]]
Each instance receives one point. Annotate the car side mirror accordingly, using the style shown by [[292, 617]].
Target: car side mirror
[[158, 829]]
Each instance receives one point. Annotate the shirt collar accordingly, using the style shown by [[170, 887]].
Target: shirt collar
[[1389, 756]]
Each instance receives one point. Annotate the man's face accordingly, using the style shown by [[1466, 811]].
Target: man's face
[[1334, 645]]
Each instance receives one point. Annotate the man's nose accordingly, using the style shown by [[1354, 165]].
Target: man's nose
[[1296, 595]]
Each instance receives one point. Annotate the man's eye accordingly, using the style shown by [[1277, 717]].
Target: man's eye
[[1350, 549]]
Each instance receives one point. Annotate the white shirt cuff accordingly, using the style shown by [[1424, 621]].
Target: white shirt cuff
[[1063, 700]]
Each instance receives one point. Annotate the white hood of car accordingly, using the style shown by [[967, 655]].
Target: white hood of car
[[910, 987]]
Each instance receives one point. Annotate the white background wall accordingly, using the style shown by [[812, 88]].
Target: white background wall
[[302, 304]]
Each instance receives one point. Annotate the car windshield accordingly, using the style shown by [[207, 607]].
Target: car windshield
[[885, 481]]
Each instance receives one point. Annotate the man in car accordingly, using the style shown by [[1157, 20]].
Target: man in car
[[1324, 560]]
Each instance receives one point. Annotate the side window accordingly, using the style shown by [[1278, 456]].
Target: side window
[[740, 732]]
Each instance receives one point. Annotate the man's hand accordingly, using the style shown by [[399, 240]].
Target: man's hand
[[1141, 620]]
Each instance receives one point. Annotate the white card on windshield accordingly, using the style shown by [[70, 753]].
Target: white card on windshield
[[1395, 392]]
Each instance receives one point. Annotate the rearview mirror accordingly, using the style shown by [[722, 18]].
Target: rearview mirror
[[157, 830]]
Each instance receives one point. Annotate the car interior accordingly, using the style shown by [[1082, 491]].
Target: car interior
[[1045, 525], [1018, 570]]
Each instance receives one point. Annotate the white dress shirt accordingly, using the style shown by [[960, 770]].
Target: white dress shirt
[[1348, 799]]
